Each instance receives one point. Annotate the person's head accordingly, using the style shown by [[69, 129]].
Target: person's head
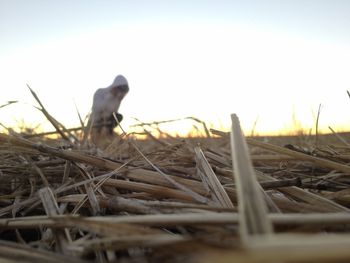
[[120, 87]]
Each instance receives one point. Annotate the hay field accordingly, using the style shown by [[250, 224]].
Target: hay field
[[219, 198]]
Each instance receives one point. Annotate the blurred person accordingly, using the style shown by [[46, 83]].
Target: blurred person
[[106, 101]]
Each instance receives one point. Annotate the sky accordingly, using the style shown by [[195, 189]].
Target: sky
[[270, 62]]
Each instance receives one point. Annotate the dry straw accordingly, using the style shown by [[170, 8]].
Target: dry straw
[[171, 199]]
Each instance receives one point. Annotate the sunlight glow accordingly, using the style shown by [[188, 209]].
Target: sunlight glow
[[179, 70]]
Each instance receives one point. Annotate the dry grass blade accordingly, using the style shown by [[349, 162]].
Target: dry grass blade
[[152, 123], [339, 137], [252, 209], [136, 206], [8, 103], [308, 197], [130, 241], [67, 168], [317, 121], [207, 133], [94, 204], [157, 191], [301, 156], [214, 183], [163, 220], [47, 115], [271, 157], [51, 208], [80, 118], [53, 121]]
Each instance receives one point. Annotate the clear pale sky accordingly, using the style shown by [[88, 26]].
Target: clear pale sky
[[263, 60]]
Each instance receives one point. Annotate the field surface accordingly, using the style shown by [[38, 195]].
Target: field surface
[[220, 198]]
